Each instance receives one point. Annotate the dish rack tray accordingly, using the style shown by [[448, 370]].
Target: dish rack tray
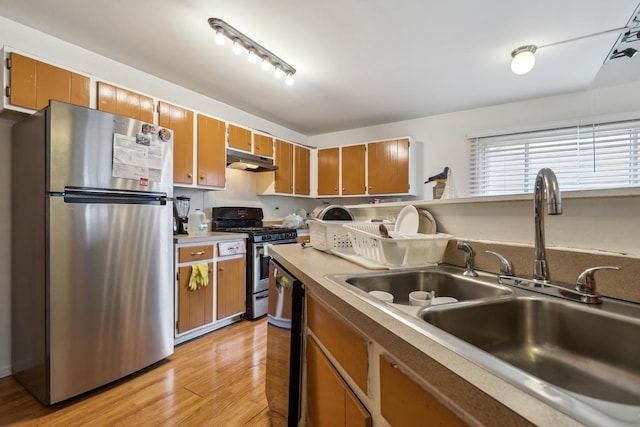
[[329, 235], [398, 251]]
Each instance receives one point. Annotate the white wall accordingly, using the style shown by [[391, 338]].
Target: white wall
[[444, 136]]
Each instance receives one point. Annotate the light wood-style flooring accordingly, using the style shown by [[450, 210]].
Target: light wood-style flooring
[[215, 380]]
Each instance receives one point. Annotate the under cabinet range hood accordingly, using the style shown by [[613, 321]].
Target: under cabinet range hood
[[249, 162]]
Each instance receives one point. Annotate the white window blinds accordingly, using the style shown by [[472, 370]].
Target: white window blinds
[[583, 157]]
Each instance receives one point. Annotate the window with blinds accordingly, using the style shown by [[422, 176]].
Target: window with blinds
[[603, 155]]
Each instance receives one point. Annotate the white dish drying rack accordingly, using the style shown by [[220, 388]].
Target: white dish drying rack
[[362, 243]]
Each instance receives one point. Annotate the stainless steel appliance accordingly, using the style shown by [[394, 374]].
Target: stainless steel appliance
[[249, 220], [181, 214], [284, 346], [92, 295]]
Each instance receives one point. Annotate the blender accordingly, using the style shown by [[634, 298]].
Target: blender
[[181, 214]]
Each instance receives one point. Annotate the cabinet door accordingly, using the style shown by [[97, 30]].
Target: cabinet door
[[353, 168], [123, 102], [262, 145], [404, 402], [231, 287], [180, 121], [328, 171], [330, 402], [284, 161], [212, 158], [34, 83], [195, 308], [388, 170], [348, 347], [239, 138], [302, 166]]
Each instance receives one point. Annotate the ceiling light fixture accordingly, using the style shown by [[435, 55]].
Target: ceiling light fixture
[[523, 57], [256, 51]]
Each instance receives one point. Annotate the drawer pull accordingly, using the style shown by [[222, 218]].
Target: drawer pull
[[199, 253]]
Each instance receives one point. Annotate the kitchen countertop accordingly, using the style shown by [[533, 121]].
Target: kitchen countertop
[[212, 236], [310, 266]]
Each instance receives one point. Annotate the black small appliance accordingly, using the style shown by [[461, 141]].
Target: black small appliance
[[180, 214]]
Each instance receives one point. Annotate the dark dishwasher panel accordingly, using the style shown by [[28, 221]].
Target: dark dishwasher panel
[[284, 346]]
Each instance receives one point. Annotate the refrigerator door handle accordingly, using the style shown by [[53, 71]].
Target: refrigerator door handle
[[97, 195]]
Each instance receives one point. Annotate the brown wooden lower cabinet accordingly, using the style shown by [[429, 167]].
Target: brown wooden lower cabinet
[[404, 402], [231, 287], [330, 401], [195, 308], [347, 346]]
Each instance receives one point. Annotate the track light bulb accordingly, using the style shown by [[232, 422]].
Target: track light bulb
[[252, 58], [220, 38], [289, 79], [523, 59], [237, 48], [278, 73], [266, 65]]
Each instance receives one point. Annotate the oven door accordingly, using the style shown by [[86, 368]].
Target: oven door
[[261, 264]]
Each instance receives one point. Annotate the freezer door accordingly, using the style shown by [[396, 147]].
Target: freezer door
[[110, 292], [80, 151]]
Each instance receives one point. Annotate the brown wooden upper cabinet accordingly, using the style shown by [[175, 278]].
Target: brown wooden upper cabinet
[[33, 83], [180, 120], [123, 102], [284, 160], [212, 157], [353, 170], [263, 145], [239, 138], [388, 170], [302, 170], [328, 171]]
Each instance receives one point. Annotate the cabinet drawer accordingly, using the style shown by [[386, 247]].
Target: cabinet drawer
[[195, 253], [348, 347]]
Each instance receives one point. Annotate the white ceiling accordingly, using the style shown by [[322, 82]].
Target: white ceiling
[[359, 62]]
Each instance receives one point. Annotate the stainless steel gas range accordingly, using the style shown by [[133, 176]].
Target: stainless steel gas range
[[249, 220]]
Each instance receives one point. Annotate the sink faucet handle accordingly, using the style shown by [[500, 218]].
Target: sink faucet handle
[[586, 282], [468, 258], [506, 268]]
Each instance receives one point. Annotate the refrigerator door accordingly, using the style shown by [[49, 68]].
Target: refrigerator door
[[110, 290], [81, 154]]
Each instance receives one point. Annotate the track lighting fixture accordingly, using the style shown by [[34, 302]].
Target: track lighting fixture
[[256, 52], [628, 52], [523, 57]]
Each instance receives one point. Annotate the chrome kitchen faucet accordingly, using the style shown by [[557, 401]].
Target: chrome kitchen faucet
[[545, 182]]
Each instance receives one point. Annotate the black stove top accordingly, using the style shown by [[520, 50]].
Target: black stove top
[[249, 220]]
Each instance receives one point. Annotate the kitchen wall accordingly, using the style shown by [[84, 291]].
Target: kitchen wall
[[5, 247], [444, 136]]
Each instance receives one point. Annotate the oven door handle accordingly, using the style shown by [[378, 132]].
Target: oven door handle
[[263, 251]]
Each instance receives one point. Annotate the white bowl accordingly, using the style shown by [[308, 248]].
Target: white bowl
[[382, 295]]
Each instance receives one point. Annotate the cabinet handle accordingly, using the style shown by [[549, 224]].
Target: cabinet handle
[[201, 178], [189, 175], [199, 253]]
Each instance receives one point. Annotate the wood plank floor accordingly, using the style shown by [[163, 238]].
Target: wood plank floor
[[215, 380]]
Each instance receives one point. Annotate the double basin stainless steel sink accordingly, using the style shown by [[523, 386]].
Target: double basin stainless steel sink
[[586, 352]]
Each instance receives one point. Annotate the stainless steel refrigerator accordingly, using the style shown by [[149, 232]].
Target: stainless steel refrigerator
[[92, 260]]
